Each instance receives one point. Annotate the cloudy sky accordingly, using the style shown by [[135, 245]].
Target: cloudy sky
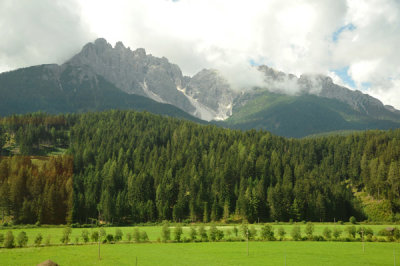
[[356, 42]]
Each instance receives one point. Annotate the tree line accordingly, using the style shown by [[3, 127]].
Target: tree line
[[136, 167]]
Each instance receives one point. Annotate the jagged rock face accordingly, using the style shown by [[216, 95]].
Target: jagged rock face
[[211, 93], [134, 72]]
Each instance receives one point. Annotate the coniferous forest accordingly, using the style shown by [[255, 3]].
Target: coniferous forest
[[128, 167]]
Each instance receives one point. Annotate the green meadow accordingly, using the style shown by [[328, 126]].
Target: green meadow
[[210, 253]]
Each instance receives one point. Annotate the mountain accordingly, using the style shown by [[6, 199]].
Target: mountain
[[69, 88], [102, 77], [316, 106]]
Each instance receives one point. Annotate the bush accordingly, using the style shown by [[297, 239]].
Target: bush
[[235, 231], [178, 233], [66, 234], [9, 240], [38, 239], [129, 237], [281, 233], [220, 234], [95, 236], [353, 220], [118, 235], [337, 232], [213, 231], [327, 233], [85, 235], [351, 231], [267, 233], [109, 238], [48, 240], [136, 235], [1, 239], [252, 232], [296, 233], [165, 232], [193, 233], [203, 233], [245, 231], [309, 230], [143, 236], [22, 239]]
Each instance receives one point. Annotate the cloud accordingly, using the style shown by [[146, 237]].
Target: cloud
[[37, 32]]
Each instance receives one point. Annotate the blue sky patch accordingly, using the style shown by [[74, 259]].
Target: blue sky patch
[[343, 74], [349, 27]]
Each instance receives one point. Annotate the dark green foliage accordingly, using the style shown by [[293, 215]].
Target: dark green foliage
[[212, 232], [1, 238], [9, 240], [296, 233], [138, 167], [353, 220], [109, 238], [203, 233], [38, 239], [267, 233]]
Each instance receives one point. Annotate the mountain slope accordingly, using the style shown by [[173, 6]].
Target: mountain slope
[[61, 89], [299, 116]]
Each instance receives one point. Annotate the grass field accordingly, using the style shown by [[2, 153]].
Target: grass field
[[154, 232], [216, 253]]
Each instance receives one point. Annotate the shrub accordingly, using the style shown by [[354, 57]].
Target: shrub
[[351, 231], [66, 234], [220, 234], [353, 220], [118, 235], [165, 232], [396, 233], [235, 231], [203, 233], [178, 233], [193, 233], [309, 230], [281, 233], [95, 236], [22, 239], [252, 232], [213, 231], [136, 235], [337, 232], [228, 233], [85, 235], [267, 233], [9, 240], [109, 238], [129, 237], [1, 239], [38, 239], [48, 240], [245, 231], [296, 233], [327, 233], [143, 236]]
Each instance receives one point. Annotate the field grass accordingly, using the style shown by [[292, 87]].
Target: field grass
[[154, 232], [215, 253]]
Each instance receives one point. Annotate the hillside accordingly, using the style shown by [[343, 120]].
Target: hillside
[[139, 167], [300, 115]]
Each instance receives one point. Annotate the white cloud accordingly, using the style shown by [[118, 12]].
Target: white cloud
[[294, 36]]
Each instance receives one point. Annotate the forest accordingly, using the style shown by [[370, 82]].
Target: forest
[[128, 167]]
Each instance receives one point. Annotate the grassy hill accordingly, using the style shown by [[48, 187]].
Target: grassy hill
[[300, 116]]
